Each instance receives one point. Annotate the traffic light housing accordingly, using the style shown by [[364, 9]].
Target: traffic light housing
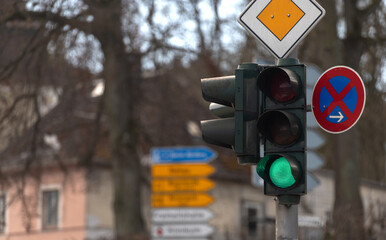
[[220, 90], [235, 100], [283, 127]]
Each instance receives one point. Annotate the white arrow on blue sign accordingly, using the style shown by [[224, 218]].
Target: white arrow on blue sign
[[182, 155]]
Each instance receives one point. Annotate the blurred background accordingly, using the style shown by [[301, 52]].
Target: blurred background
[[89, 87]]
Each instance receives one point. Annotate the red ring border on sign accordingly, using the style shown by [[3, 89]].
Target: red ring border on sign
[[356, 81]]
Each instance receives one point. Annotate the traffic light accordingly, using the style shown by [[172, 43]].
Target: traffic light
[[235, 100], [283, 127]]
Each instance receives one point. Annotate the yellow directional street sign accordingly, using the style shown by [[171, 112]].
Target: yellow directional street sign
[[182, 185], [182, 170], [181, 200]]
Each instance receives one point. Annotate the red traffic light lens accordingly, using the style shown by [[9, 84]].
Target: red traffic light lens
[[280, 87]]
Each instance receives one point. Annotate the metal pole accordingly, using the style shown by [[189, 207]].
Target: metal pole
[[286, 221], [287, 206], [293, 54]]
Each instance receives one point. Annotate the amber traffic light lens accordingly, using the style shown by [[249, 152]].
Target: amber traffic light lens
[[280, 127], [280, 130]]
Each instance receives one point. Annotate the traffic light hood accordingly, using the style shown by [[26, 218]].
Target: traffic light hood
[[220, 132], [219, 90]]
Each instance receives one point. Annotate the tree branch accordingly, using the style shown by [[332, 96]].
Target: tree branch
[[14, 104], [74, 22], [8, 70], [370, 9]]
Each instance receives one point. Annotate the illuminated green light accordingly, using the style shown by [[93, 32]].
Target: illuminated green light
[[280, 173], [261, 167]]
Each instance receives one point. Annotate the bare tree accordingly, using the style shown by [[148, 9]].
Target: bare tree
[[122, 75], [113, 27], [344, 37]]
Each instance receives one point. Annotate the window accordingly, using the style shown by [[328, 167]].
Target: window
[[252, 221], [251, 215], [50, 209], [2, 213]]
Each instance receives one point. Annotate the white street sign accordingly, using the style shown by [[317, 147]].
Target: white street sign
[[181, 215], [179, 239], [310, 221], [280, 25], [182, 230]]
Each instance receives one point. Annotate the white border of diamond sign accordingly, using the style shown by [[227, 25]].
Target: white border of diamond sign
[[313, 13]]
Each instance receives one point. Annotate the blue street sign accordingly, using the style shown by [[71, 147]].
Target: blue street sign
[[182, 155], [338, 99]]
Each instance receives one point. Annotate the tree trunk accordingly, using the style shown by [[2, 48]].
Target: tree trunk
[[122, 73], [324, 48], [348, 209]]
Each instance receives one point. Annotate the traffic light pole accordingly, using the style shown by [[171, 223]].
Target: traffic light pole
[[287, 219], [286, 222]]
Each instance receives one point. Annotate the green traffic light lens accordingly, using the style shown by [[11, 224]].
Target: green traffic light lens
[[280, 173]]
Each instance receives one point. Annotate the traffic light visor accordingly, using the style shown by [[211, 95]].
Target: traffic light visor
[[220, 132], [219, 90]]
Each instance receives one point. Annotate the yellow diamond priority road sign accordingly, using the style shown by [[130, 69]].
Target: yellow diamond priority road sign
[[281, 24], [280, 16]]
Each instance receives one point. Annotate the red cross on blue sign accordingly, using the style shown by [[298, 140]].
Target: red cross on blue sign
[[338, 99]]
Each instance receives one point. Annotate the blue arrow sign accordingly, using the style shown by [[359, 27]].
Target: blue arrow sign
[[182, 155]]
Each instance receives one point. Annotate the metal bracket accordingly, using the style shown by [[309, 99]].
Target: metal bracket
[[309, 108], [288, 200]]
